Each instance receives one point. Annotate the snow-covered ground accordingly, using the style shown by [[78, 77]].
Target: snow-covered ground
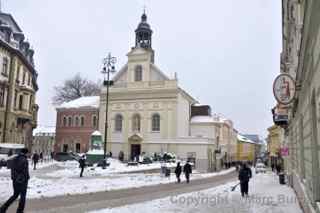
[[66, 181], [70, 169], [266, 195], [40, 165]]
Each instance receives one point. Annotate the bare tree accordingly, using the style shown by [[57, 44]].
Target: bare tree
[[74, 88]]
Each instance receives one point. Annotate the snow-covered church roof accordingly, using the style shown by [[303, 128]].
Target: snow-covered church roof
[[44, 131], [202, 119], [83, 102], [241, 138]]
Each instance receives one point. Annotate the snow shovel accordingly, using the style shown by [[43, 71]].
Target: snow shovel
[[234, 187]]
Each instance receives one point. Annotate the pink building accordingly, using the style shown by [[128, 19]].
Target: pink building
[[76, 121]]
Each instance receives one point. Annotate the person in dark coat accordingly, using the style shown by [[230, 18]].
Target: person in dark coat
[[82, 162], [272, 167], [278, 168], [244, 176], [35, 159], [187, 171], [41, 157], [178, 171], [52, 155], [10, 153], [20, 177]]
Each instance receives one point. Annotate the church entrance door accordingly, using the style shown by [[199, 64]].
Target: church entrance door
[[135, 151]]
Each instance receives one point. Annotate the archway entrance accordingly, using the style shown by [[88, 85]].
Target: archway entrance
[[135, 146], [135, 151]]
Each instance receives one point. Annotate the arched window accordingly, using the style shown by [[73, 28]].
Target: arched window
[[138, 73], [82, 121], [155, 122], [69, 121], [118, 123], [94, 121], [64, 121], [136, 123], [76, 121]]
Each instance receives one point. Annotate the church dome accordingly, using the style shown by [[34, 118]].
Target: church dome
[[143, 25]]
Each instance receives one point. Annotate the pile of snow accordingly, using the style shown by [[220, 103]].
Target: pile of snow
[[96, 133], [71, 169], [95, 152], [88, 101]]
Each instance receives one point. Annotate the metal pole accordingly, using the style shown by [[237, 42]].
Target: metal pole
[[106, 122], [108, 66]]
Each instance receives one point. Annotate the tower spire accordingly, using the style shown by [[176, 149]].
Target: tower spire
[[143, 32]]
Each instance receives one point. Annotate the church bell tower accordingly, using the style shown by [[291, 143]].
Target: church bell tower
[[143, 33]]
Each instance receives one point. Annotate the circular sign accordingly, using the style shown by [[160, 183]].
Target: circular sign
[[284, 89]]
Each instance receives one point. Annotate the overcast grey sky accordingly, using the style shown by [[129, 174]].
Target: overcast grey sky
[[226, 53]]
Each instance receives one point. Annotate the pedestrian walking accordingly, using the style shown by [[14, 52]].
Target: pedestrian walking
[[278, 168], [178, 171], [272, 167], [52, 155], [187, 171], [10, 153], [41, 157], [244, 176], [82, 162], [35, 159], [20, 177]]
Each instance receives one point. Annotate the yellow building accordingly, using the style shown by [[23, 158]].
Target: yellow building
[[274, 143], [18, 84], [245, 149]]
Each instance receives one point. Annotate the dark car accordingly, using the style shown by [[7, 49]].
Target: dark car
[[63, 156]]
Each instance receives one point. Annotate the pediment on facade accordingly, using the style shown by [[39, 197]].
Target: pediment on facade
[[135, 137], [121, 75], [157, 74]]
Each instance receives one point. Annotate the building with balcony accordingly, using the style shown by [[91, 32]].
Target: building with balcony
[[18, 84]]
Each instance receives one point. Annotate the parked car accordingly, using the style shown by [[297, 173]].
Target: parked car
[[7, 151], [260, 168], [63, 156]]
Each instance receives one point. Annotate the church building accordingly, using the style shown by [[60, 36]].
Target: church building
[[148, 111]]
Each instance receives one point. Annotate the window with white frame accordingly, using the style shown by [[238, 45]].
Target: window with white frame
[[118, 123], [156, 122], [136, 123]]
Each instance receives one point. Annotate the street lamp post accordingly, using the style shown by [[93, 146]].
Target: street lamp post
[[108, 67]]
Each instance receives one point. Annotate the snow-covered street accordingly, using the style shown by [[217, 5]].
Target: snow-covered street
[[62, 178], [266, 195]]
